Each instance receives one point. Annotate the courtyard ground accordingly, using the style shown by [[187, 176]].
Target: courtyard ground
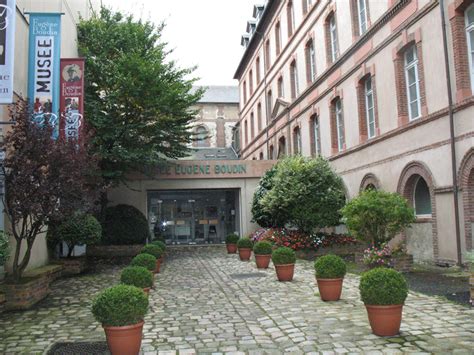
[[206, 301]]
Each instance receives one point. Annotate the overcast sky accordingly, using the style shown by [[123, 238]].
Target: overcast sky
[[205, 33]]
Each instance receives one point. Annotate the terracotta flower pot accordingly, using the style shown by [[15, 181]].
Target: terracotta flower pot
[[147, 290], [244, 254], [330, 289], [231, 248], [385, 320], [162, 259], [124, 340], [158, 264], [285, 272], [263, 261]]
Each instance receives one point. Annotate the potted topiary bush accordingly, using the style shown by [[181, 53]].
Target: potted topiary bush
[[121, 310], [137, 276], [245, 248], [330, 271], [156, 251], [4, 253], [284, 259], [148, 261], [263, 254], [231, 243], [383, 292], [162, 245]]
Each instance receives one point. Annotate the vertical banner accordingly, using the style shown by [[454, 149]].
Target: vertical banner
[[7, 49], [72, 97], [43, 69]]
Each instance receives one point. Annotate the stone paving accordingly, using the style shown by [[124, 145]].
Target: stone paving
[[209, 302]]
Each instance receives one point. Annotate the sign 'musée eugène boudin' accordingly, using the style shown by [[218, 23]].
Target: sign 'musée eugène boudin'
[[7, 49]]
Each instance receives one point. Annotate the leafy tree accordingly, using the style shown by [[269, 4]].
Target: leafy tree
[[46, 180], [377, 216], [307, 192], [138, 103]]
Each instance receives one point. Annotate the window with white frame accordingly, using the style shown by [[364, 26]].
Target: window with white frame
[[422, 198], [311, 61], [469, 17], [294, 80], [339, 124], [369, 107], [316, 134], [362, 13], [413, 83], [281, 89], [297, 140], [333, 38]]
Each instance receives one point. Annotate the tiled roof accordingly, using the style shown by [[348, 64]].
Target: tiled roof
[[220, 94]]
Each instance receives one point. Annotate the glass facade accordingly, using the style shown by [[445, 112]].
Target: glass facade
[[194, 216]]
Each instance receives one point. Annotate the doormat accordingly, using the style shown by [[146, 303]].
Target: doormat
[[80, 348]]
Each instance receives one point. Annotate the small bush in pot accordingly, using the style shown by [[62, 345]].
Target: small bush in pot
[[148, 261], [137, 276], [263, 253], [154, 250], [121, 310], [284, 259], [245, 246], [330, 271], [383, 292], [160, 244], [231, 243]]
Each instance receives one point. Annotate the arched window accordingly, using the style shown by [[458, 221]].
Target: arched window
[[257, 69], [201, 137], [281, 147], [290, 14], [370, 187], [281, 90], [277, 38], [246, 132], [252, 125], [297, 141], [259, 117], [251, 82], [316, 136], [244, 89], [338, 125], [270, 103], [267, 55], [294, 79], [261, 156], [272, 152], [310, 61], [422, 198], [331, 38]]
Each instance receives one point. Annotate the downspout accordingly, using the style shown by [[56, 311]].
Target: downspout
[[267, 104], [452, 134]]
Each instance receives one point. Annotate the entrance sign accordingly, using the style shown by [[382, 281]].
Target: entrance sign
[[7, 49], [72, 97], [43, 69]]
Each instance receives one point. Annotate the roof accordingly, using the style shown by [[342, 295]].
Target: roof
[[220, 94], [212, 154]]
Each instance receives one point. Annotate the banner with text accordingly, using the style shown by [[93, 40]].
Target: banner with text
[[72, 97], [43, 70], [7, 49]]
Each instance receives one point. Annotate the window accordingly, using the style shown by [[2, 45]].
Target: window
[[310, 62], [362, 16], [297, 141], [281, 147], [469, 16], [261, 156], [270, 102], [272, 152], [294, 80], [278, 38], [422, 198], [257, 69], [244, 88], [252, 125], [316, 136], [307, 5], [339, 125], [333, 38], [201, 137], [259, 116], [281, 92], [251, 81], [267, 55], [246, 132], [412, 82], [291, 18], [369, 107]]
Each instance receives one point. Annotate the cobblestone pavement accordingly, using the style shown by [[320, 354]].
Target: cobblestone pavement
[[206, 301]]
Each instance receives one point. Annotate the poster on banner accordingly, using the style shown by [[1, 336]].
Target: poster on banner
[[72, 98], [7, 49], [43, 69]]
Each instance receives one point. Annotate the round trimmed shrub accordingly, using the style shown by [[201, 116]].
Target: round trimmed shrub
[[330, 267], [137, 276], [244, 243], [160, 244], [382, 286], [124, 225], [263, 248], [120, 305], [148, 261], [152, 249], [232, 239], [283, 256]]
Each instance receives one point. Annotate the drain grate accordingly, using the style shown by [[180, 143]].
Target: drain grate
[[251, 275], [83, 348]]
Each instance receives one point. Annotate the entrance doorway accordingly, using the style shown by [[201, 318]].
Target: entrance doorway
[[193, 216]]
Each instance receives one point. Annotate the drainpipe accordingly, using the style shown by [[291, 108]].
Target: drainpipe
[[452, 134], [268, 105]]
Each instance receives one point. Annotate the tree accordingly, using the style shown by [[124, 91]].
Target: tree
[[377, 216], [138, 104], [307, 192], [46, 180]]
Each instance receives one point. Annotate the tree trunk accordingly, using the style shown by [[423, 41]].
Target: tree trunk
[[103, 205], [16, 272]]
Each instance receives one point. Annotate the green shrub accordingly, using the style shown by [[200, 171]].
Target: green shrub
[[330, 267], [76, 230], [137, 276], [283, 256], [120, 305], [152, 249], [244, 243], [382, 286], [124, 225], [148, 261], [377, 216], [232, 239], [263, 248], [160, 244], [4, 248]]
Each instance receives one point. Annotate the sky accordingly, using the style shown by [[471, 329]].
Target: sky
[[203, 33]]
